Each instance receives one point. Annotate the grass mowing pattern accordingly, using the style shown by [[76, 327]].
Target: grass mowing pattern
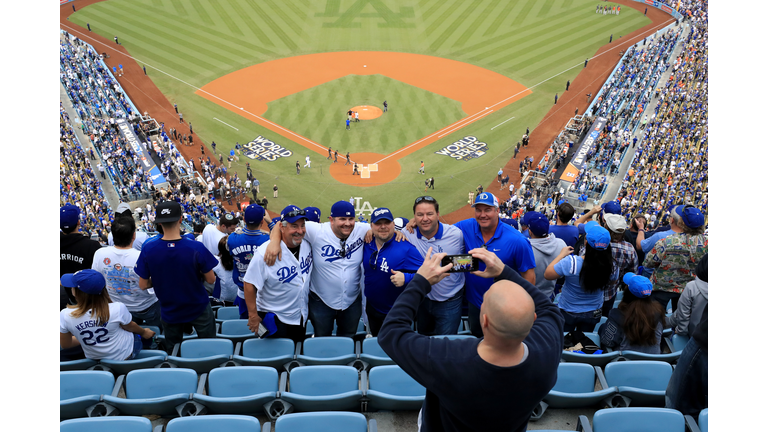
[[198, 41]]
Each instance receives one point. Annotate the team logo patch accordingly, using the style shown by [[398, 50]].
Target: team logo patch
[[107, 261], [173, 245], [118, 267]]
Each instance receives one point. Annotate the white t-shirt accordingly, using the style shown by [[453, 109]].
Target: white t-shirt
[[122, 282], [210, 238], [228, 287], [141, 237], [106, 342], [334, 279], [283, 288]]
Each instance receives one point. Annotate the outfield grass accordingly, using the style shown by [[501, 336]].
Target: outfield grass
[[196, 41]]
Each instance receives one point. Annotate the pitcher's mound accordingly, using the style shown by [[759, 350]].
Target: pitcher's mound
[[366, 112]]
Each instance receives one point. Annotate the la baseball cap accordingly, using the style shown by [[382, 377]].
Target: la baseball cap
[[253, 214], [486, 198], [612, 207], [273, 222], [88, 281], [69, 215], [167, 211], [692, 217], [639, 286], [538, 224], [615, 223], [343, 209], [400, 223], [597, 236], [382, 213], [292, 213], [509, 221], [313, 214], [269, 324]]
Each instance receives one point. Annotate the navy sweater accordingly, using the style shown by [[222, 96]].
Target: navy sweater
[[464, 392]]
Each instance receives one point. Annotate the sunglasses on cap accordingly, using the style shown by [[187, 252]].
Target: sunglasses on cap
[[425, 199], [294, 213]]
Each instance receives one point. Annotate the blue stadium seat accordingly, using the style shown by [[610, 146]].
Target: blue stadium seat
[[276, 352], [237, 390], [163, 392], [80, 390], [603, 320], [575, 388], [670, 358], [227, 313], [372, 353], [677, 342], [634, 420], [209, 423], [75, 365], [456, 336], [144, 360], [704, 420], [391, 389], [201, 355], [640, 383], [324, 422], [323, 388], [590, 359], [111, 424], [235, 330], [329, 350]]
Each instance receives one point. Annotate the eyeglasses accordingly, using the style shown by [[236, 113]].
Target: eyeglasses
[[343, 250], [425, 198], [293, 213], [373, 261]]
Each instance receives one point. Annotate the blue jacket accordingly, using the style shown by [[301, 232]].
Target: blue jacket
[[402, 256]]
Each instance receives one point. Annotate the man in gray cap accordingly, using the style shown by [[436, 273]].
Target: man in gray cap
[[624, 258], [76, 250]]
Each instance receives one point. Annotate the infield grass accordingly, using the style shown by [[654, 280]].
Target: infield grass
[[195, 42]]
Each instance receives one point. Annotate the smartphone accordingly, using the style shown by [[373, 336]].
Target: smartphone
[[461, 263]]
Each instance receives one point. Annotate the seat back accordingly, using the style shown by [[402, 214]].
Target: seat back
[[112, 424], [154, 383], [268, 348], [235, 327], [322, 422], [199, 348], [323, 380], [74, 384], [638, 420], [329, 346], [644, 374], [393, 380], [241, 381], [228, 313], [678, 342], [208, 423], [704, 420], [371, 347], [575, 378]]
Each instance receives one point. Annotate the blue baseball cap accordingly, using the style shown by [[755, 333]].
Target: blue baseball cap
[[527, 217], [273, 222], [597, 236], [692, 217], [488, 199], [88, 281], [269, 323], [538, 224], [313, 214], [343, 209], [400, 223], [69, 214], [639, 286], [612, 207], [253, 214], [292, 213], [382, 213], [509, 221]]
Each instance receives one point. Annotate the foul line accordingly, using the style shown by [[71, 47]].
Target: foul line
[[501, 123], [227, 124]]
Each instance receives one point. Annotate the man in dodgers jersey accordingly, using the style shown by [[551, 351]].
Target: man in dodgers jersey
[[282, 289], [337, 247], [242, 247]]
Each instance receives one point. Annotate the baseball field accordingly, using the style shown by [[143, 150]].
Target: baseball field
[[288, 71]]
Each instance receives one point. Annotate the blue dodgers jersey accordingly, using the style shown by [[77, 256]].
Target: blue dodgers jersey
[[507, 243], [242, 247], [176, 268]]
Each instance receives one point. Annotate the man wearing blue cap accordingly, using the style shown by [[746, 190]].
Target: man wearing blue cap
[[546, 247], [313, 214], [242, 246], [675, 257], [388, 266], [485, 231], [76, 250], [280, 292], [337, 247]]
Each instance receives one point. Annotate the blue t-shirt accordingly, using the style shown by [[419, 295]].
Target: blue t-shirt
[[567, 233], [573, 298], [507, 243], [176, 268], [402, 256], [242, 247]]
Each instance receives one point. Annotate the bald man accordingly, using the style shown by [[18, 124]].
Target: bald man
[[479, 384]]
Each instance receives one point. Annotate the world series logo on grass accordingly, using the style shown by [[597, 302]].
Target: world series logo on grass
[[264, 149], [465, 149]]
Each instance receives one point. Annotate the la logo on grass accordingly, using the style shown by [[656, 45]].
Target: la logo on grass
[[347, 19]]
